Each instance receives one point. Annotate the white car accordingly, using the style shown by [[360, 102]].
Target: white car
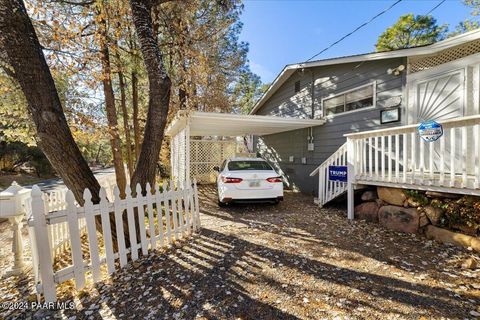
[[248, 180]]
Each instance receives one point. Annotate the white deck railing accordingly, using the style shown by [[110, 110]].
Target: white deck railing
[[398, 157], [329, 190]]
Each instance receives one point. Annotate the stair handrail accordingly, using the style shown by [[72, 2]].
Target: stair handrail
[[333, 155]]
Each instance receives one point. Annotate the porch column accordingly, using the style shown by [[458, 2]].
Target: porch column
[[173, 157], [350, 177], [187, 151]]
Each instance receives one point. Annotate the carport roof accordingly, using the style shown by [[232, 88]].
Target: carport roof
[[230, 124]]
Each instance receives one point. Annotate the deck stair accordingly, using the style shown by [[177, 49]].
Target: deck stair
[[329, 190]]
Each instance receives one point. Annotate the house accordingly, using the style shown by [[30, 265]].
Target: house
[[376, 91]]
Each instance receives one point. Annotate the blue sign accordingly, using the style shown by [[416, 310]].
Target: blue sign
[[430, 130], [337, 173]]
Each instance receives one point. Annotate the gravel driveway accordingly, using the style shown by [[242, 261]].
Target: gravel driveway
[[291, 261]]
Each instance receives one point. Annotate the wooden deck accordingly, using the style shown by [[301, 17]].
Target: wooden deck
[[398, 157]]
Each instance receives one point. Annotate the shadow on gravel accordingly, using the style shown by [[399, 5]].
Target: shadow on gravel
[[215, 275], [438, 300], [207, 278]]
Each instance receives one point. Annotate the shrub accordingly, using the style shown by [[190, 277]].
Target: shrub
[[417, 196], [464, 212], [15, 156]]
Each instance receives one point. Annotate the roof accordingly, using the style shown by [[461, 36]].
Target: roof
[[288, 70], [229, 124]]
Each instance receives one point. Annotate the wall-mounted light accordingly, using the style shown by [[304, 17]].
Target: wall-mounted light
[[396, 71]]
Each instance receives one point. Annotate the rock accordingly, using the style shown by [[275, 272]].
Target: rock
[[43, 314], [469, 263], [434, 214], [380, 202], [435, 194], [446, 236], [475, 313], [413, 203], [465, 229], [423, 220], [399, 218], [391, 195], [369, 195], [367, 211]]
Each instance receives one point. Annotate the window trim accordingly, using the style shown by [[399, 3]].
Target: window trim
[[333, 95]]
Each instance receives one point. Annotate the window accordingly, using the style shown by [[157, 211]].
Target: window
[[358, 98], [297, 86], [248, 165]]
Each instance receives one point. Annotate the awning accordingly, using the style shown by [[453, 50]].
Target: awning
[[229, 124]]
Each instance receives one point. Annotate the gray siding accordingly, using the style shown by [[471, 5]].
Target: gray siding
[[328, 137]]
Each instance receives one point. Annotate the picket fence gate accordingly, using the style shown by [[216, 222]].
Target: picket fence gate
[[166, 214], [55, 200]]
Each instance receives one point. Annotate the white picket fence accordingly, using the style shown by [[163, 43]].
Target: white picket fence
[[58, 233], [166, 215]]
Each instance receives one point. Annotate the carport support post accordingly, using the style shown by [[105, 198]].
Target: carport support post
[[350, 178], [173, 155], [187, 151]]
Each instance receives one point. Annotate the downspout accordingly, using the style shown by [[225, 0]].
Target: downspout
[[312, 94]]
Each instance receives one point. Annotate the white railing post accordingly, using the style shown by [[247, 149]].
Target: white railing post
[[43, 245], [17, 246], [12, 202], [350, 176], [321, 185]]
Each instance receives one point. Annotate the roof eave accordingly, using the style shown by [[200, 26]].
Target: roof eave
[[430, 49]]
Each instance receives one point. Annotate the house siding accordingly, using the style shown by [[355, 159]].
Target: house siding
[[328, 137]]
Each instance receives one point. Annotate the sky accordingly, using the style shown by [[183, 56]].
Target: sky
[[281, 32]]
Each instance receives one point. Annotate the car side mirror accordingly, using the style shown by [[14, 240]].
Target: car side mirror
[[216, 168]]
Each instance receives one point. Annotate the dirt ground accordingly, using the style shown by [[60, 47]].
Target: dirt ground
[[290, 261]]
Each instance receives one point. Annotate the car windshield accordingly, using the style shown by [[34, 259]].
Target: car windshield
[[248, 165]]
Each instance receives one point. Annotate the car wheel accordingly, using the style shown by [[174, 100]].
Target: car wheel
[[276, 202]]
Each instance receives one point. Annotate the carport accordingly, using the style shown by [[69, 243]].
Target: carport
[[200, 140]]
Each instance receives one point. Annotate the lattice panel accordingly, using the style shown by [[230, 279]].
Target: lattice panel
[[205, 154], [451, 54]]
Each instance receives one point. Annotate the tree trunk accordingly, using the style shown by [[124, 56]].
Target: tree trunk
[[115, 140], [19, 42], [98, 154], [128, 140], [136, 124], [134, 73], [159, 94]]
